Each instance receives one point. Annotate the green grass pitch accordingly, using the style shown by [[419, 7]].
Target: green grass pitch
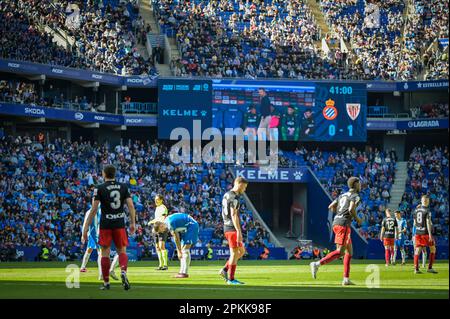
[[264, 280]]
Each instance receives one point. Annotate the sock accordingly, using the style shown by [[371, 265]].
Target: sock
[[432, 256], [187, 253], [183, 264], [164, 257], [225, 268], [158, 252], [403, 255], [424, 258], [105, 268], [114, 263], [330, 257], [123, 262], [391, 250], [99, 263], [85, 259], [232, 271], [416, 262], [386, 255], [394, 257], [347, 260]]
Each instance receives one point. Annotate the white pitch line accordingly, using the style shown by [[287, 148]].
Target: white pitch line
[[367, 290]]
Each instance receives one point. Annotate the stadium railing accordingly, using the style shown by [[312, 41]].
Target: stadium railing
[[139, 108]]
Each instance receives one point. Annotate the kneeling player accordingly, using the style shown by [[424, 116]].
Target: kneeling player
[[400, 241], [345, 208], [388, 235], [184, 230]]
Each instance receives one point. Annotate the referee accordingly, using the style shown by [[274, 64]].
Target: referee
[[160, 239]]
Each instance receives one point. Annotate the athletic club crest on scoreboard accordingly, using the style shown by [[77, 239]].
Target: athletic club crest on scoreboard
[[353, 110], [330, 112]]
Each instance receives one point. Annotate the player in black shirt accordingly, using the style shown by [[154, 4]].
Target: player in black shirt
[[389, 228], [112, 196], [232, 229], [308, 125], [423, 237], [251, 122], [345, 208], [290, 125]]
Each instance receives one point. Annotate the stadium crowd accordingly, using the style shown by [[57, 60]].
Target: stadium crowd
[[45, 191], [104, 36], [25, 92], [248, 39]]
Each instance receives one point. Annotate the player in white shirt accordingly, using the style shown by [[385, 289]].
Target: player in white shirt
[[160, 239]]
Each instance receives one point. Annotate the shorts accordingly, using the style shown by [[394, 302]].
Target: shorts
[[342, 235], [157, 237], [93, 242], [400, 242], [190, 236], [388, 241], [118, 235], [422, 240], [231, 236]]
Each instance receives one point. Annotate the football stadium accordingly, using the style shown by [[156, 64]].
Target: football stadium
[[224, 149]]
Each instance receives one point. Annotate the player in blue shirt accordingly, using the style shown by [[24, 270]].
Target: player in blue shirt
[[401, 237], [92, 244], [93, 234], [184, 230]]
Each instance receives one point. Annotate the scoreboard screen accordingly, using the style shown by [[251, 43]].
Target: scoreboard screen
[[306, 111], [180, 102]]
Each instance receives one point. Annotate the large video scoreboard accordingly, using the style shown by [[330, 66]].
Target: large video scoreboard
[[319, 111]]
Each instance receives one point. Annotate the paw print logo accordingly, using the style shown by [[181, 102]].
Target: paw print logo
[[203, 113], [298, 175]]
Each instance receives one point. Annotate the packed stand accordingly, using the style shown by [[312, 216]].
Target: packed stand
[[45, 191], [247, 39], [432, 25], [105, 34], [373, 29], [21, 92]]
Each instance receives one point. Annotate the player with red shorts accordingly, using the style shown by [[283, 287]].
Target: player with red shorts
[[423, 237], [345, 208], [389, 228], [112, 196], [232, 229]]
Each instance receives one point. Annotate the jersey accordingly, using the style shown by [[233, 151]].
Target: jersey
[[389, 224], [401, 223], [112, 196], [179, 222], [94, 228], [160, 212], [420, 215], [343, 216], [230, 201]]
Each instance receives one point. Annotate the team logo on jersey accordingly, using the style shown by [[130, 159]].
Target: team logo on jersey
[[353, 110], [330, 111]]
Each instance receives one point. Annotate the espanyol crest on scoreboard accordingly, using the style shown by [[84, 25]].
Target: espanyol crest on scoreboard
[[353, 110]]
